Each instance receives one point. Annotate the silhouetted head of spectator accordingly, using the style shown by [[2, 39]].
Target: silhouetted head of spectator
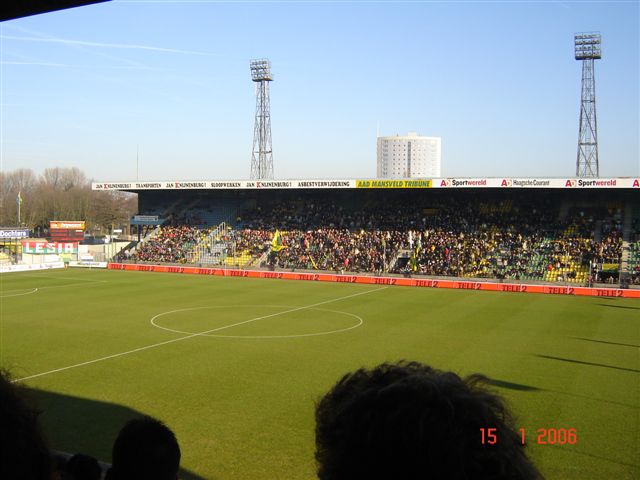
[[83, 467], [146, 449], [410, 421], [24, 454], [58, 466]]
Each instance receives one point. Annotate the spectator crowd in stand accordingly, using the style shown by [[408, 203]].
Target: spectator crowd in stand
[[457, 238], [170, 245], [499, 240]]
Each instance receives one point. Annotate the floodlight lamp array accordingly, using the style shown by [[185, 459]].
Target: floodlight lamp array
[[588, 46], [261, 70]]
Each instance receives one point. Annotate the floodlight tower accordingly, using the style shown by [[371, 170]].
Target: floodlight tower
[[261, 157], [587, 47]]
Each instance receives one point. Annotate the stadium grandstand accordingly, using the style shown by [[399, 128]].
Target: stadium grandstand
[[569, 231]]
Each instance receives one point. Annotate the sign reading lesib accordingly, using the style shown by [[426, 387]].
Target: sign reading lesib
[[49, 248]]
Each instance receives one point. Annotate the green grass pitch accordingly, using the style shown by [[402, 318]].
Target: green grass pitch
[[241, 397]]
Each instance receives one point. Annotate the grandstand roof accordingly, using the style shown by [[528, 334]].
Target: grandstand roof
[[494, 182]]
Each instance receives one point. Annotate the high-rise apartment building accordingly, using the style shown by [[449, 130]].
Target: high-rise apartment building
[[409, 156]]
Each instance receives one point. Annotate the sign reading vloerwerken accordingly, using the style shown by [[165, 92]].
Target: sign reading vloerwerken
[[49, 248]]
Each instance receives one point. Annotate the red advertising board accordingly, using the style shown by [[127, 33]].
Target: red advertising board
[[399, 281]]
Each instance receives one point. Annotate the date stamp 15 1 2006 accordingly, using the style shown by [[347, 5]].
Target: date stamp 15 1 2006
[[543, 436]]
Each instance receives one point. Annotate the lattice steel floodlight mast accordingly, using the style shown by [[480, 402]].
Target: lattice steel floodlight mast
[[262, 156], [587, 47]]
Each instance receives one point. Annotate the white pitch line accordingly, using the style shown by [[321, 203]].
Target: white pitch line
[[88, 283], [33, 290], [190, 336], [56, 277], [360, 322]]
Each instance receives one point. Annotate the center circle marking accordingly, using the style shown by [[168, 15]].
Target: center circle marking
[[208, 333]]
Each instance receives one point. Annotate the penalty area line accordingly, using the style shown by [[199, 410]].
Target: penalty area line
[[186, 337], [88, 283]]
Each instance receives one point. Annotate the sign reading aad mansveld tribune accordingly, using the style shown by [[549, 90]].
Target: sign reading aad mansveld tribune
[[496, 182]]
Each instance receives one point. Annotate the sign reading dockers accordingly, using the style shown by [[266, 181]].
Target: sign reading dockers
[[49, 248], [17, 233]]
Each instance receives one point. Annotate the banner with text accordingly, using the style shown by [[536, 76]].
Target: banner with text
[[14, 233], [577, 183], [49, 248], [224, 185], [398, 281], [393, 183], [495, 182], [63, 225]]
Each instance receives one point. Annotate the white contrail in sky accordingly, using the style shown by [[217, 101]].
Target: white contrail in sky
[[67, 41], [38, 64], [85, 67]]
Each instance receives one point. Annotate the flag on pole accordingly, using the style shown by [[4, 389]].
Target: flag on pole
[[276, 242], [19, 199]]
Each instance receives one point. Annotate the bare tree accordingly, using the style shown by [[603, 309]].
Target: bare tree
[[62, 194], [22, 181]]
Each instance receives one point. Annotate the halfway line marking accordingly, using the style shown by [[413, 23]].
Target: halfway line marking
[[190, 336]]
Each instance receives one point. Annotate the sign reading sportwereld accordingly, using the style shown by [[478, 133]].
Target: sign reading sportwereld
[[495, 182], [536, 183]]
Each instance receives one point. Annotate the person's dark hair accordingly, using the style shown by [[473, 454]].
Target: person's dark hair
[[24, 454], [83, 467], [410, 421], [145, 449]]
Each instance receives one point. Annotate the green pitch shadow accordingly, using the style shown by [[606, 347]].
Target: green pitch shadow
[[618, 306], [511, 386], [580, 362], [607, 342], [80, 425]]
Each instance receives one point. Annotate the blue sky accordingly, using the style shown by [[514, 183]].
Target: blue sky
[[497, 81]]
